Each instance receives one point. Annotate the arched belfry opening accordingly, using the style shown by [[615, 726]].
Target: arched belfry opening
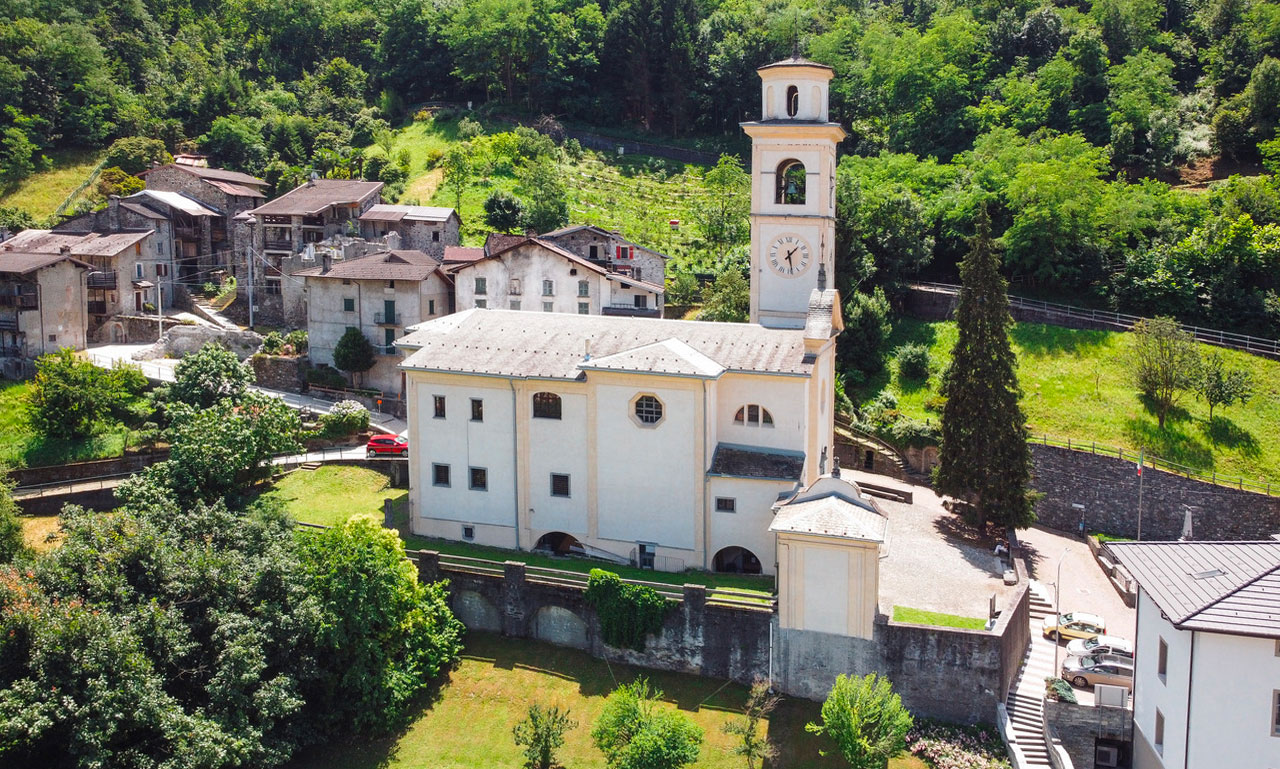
[[793, 101], [790, 183]]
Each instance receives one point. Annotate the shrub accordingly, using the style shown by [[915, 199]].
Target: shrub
[[210, 374], [913, 362], [633, 733], [541, 733], [209, 289], [865, 719], [344, 418], [325, 376], [272, 343], [627, 612], [1060, 689], [298, 340], [116, 181], [935, 403], [469, 129], [71, 395], [962, 747], [135, 154]]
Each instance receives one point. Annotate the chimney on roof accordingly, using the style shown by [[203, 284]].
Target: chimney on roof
[[64, 250], [586, 355], [113, 212], [835, 466], [326, 261], [393, 241]]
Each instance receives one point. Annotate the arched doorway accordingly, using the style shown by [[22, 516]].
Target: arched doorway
[[737, 560], [559, 543]]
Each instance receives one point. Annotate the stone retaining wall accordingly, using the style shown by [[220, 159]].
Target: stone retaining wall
[[35, 476], [1078, 729], [278, 372]]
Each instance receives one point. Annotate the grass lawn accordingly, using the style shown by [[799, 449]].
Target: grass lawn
[[467, 723], [1077, 385], [634, 194], [22, 446], [40, 194], [922, 617], [333, 494], [41, 532]]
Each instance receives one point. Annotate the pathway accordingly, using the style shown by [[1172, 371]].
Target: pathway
[[1025, 701]]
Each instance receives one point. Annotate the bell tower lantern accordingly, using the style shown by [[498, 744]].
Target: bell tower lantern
[[793, 191]]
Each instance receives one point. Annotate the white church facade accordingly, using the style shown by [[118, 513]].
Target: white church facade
[[668, 444]]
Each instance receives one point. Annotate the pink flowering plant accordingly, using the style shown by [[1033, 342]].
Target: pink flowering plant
[[949, 746]]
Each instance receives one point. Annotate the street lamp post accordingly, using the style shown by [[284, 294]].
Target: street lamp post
[[1057, 612]]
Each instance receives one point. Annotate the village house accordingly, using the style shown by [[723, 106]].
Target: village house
[[42, 307], [533, 274], [379, 294], [428, 229], [284, 233], [611, 251], [1207, 653], [207, 243]]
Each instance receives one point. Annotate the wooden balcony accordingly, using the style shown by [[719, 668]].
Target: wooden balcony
[[102, 279]]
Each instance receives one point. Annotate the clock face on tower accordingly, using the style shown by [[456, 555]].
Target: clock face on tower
[[789, 255]]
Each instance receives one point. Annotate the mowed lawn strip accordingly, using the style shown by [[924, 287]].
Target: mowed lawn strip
[[1079, 385], [467, 723], [334, 493], [937, 619]]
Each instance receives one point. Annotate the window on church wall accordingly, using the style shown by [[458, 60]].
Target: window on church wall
[[790, 183], [793, 101], [753, 415], [647, 410], [546, 405]]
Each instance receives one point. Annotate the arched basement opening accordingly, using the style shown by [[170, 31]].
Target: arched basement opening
[[737, 560], [559, 543]]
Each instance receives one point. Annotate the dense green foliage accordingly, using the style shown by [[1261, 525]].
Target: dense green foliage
[[211, 374], [12, 544], [627, 612], [541, 734], [72, 396], [353, 353], [985, 460], [633, 733], [1165, 362], [865, 719], [728, 300], [344, 418]]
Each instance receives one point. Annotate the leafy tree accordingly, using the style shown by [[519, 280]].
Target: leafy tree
[[115, 181], [15, 220], [541, 734], [71, 396], [12, 544], [211, 374], [16, 151], [458, 170], [682, 289], [546, 200], [722, 217], [236, 142], [1165, 361], [728, 300], [353, 353], [503, 211], [866, 321], [386, 635], [865, 719], [135, 154], [635, 732], [985, 460], [1221, 384], [754, 747]]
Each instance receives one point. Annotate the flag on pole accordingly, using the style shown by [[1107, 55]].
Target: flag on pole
[[1141, 458]]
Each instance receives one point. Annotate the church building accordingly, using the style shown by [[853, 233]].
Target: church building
[[669, 444]]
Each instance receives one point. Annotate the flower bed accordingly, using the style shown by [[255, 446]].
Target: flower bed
[[948, 746]]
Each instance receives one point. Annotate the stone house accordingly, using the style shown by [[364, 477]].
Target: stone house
[[380, 294], [282, 239], [42, 306], [530, 273], [428, 229], [611, 251]]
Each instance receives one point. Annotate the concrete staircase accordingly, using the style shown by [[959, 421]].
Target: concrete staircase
[[1025, 702]]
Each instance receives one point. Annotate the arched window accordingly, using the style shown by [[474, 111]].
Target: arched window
[[790, 182], [753, 415], [793, 100], [546, 405]]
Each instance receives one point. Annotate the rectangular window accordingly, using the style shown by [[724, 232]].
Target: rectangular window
[[468, 532], [624, 252], [440, 475], [479, 479], [548, 307], [137, 270], [482, 286], [439, 404], [273, 288], [559, 485], [584, 288], [391, 284], [753, 415], [1159, 732], [726, 505], [515, 287], [546, 405], [584, 308], [1275, 713], [431, 307], [640, 301], [1162, 662], [162, 270], [548, 288], [435, 236], [514, 304], [348, 304], [346, 281], [481, 304], [477, 410]]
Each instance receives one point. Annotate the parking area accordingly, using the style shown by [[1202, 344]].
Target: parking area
[[1083, 586]]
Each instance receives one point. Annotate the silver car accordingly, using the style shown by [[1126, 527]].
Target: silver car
[[1099, 645], [1091, 671]]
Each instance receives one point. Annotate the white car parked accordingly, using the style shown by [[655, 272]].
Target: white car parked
[[1101, 645]]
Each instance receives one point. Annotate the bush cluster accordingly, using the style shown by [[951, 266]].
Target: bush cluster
[[627, 612], [344, 418]]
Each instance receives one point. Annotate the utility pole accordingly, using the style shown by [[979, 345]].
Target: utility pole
[[1141, 460], [248, 253]]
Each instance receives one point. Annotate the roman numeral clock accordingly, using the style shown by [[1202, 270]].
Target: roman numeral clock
[[793, 205]]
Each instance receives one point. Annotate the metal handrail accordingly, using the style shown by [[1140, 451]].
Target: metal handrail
[[1124, 322]]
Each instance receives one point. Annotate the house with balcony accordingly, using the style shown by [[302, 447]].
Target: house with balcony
[[380, 294], [283, 237], [429, 229], [612, 251], [42, 306], [530, 273], [130, 271]]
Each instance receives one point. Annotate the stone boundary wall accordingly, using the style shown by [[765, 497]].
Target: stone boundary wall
[[101, 500], [1107, 490], [1078, 728], [35, 476], [946, 673], [279, 372]]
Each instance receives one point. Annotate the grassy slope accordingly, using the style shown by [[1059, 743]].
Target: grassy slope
[[467, 725], [332, 494], [1076, 384], [21, 446], [613, 192], [42, 193]]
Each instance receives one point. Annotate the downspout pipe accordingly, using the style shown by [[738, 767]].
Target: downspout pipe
[[515, 453]]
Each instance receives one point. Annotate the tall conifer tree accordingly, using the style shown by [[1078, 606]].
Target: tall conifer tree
[[985, 459]]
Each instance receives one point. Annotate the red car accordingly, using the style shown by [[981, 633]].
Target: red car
[[387, 446]]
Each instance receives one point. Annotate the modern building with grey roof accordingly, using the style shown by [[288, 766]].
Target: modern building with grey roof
[[1207, 655]]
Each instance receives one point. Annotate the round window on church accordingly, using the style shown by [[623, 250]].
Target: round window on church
[[648, 410]]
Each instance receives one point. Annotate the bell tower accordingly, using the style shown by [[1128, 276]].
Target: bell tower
[[793, 191]]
